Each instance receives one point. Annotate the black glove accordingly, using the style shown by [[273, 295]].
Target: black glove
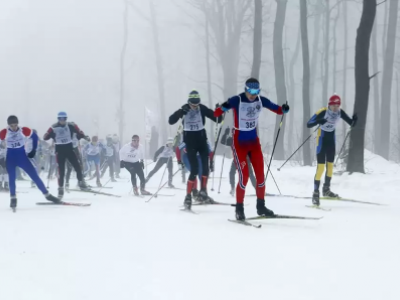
[[122, 164], [322, 121], [211, 165], [142, 163], [32, 154], [285, 108], [355, 118], [217, 105], [87, 138], [185, 108]]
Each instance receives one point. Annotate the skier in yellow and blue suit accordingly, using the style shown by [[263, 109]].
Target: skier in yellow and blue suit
[[327, 119]]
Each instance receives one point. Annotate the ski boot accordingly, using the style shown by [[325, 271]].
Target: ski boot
[[13, 202], [144, 192], [83, 186], [60, 193], [195, 194], [326, 192], [117, 176], [239, 212], [67, 185], [262, 210], [53, 199], [170, 185], [187, 203], [33, 185], [202, 196], [98, 183], [113, 179], [6, 187], [135, 191], [315, 198]]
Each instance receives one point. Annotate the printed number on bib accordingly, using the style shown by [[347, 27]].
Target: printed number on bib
[[194, 127], [251, 124], [15, 145]]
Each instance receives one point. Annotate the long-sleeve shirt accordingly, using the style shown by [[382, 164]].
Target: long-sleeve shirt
[[131, 154]]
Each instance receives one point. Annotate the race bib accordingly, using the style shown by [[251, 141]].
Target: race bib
[[332, 120], [193, 121], [109, 150], [63, 135], [15, 139], [248, 115]]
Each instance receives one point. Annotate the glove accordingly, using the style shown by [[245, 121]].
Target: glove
[[87, 138], [227, 131], [355, 118], [122, 164], [285, 108], [217, 105], [322, 121], [211, 165], [32, 154], [185, 109], [142, 163]]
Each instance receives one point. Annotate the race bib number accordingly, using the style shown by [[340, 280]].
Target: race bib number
[[193, 121], [248, 115]]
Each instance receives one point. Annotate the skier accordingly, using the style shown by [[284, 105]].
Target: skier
[[75, 146], [93, 150], [116, 143], [132, 159], [327, 119], [166, 154], [193, 115], [110, 158], [37, 161], [16, 156], [3, 168], [62, 132], [227, 140], [247, 107]]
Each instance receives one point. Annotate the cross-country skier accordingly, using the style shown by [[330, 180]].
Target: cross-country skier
[[109, 158], [193, 115], [165, 155], [16, 156], [247, 107], [132, 159], [75, 145], [227, 140], [117, 147], [62, 133], [3, 168], [92, 151], [327, 119]]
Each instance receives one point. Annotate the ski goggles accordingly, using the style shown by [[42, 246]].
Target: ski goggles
[[251, 91], [135, 140], [62, 119]]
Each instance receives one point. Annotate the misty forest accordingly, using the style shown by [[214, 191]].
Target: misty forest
[[122, 67]]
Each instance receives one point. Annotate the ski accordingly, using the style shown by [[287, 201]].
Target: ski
[[102, 187], [213, 203], [319, 207], [175, 188], [95, 192], [189, 211], [284, 217], [64, 203], [245, 223]]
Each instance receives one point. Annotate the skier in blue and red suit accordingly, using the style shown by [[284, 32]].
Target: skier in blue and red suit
[[246, 110], [16, 156]]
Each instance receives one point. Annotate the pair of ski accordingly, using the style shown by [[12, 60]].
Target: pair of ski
[[247, 223]]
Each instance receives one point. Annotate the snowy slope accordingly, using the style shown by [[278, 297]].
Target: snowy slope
[[128, 249]]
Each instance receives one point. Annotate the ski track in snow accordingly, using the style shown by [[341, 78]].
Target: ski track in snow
[[128, 249]]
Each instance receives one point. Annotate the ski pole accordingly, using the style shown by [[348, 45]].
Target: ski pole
[[165, 169], [222, 169], [103, 186], [215, 148], [155, 194], [275, 182], [341, 149], [273, 149], [298, 148]]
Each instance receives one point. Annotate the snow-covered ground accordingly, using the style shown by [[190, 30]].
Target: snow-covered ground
[[128, 249]]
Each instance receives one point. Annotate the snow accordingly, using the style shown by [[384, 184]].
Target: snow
[[125, 248]]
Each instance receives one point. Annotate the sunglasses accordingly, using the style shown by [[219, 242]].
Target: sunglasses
[[253, 91], [135, 140], [62, 119]]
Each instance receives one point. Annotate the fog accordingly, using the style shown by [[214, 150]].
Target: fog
[[66, 56]]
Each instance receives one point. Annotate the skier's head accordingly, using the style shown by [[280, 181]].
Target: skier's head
[[62, 117], [115, 138], [109, 139], [135, 140], [95, 139], [334, 103], [169, 142], [194, 99], [252, 89], [12, 122]]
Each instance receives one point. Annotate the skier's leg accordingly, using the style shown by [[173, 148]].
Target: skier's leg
[[73, 159], [204, 157], [140, 173], [232, 173], [157, 167], [11, 170], [239, 156], [26, 165], [251, 173], [257, 161], [194, 168], [61, 159], [170, 167]]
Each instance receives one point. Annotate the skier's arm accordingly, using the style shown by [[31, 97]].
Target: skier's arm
[[317, 119], [32, 135], [158, 152], [122, 153], [351, 121], [209, 113], [175, 116], [49, 134], [224, 137], [272, 106], [3, 134], [229, 104]]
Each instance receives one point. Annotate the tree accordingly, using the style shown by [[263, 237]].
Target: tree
[[257, 40], [326, 55], [345, 43], [375, 82], [279, 71], [387, 77], [362, 81], [306, 79]]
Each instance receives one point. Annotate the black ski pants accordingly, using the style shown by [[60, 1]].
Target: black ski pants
[[136, 169], [161, 161], [192, 150], [66, 153], [69, 166]]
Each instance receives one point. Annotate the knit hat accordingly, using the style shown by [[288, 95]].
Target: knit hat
[[194, 98], [334, 100]]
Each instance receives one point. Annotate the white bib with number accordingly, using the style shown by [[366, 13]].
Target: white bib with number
[[248, 114], [15, 139], [193, 121], [109, 151], [63, 135], [93, 149], [167, 152], [332, 119]]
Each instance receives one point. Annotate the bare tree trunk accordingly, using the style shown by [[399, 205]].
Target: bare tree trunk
[[160, 72], [315, 53], [326, 55], [257, 40], [292, 89], [209, 88], [306, 79], [357, 136], [387, 77], [375, 82], [345, 37], [335, 21], [279, 72], [120, 114]]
